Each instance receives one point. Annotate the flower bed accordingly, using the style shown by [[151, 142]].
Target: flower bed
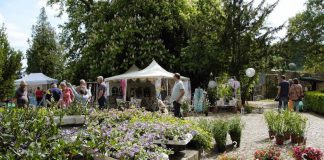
[[131, 134]]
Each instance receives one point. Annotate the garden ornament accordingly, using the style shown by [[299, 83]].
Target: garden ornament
[[212, 84], [250, 72]]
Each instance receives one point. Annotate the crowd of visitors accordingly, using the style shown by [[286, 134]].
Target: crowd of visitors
[[66, 94], [62, 96], [290, 94]]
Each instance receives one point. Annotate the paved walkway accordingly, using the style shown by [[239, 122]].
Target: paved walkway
[[255, 133]]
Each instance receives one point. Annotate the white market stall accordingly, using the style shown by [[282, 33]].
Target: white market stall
[[35, 80], [154, 78]]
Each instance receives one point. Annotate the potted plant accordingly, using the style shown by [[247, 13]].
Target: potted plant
[[289, 120], [302, 152], [280, 129], [298, 129], [235, 130], [185, 108], [219, 131], [270, 120], [206, 107]]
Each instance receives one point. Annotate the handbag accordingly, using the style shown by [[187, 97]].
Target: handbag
[[276, 99]]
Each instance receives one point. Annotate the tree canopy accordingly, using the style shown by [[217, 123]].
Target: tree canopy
[[45, 53], [304, 43], [190, 37], [9, 66]]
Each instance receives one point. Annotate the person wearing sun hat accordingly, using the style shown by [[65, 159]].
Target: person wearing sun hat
[[22, 95]]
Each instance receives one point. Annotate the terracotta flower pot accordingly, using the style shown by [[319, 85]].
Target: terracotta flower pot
[[272, 135], [294, 139], [287, 136], [301, 140], [280, 139]]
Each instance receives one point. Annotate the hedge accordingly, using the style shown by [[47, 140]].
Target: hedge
[[314, 101]]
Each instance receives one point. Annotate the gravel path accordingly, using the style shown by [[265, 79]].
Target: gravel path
[[255, 133]]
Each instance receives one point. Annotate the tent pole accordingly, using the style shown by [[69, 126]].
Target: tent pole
[[167, 85], [125, 90]]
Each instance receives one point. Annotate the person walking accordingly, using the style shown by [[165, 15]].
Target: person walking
[[101, 92], [296, 94], [177, 95], [39, 96], [67, 96], [22, 95], [283, 93]]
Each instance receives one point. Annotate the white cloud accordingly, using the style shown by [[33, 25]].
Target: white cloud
[[17, 37]]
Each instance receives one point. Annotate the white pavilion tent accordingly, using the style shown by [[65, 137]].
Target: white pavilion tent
[[36, 79], [153, 73]]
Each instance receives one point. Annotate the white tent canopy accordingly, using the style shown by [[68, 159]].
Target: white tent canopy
[[36, 79], [133, 68], [154, 70], [154, 73]]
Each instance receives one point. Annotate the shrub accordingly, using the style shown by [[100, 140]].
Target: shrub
[[248, 109], [314, 102]]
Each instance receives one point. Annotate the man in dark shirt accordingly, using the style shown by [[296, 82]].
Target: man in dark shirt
[[283, 92], [101, 92], [55, 92]]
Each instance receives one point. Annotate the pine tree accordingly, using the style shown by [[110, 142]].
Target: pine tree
[[9, 66], [45, 54]]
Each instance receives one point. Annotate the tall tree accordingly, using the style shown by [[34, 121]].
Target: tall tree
[[107, 37], [247, 40], [204, 54], [45, 54], [229, 36], [305, 37], [9, 66]]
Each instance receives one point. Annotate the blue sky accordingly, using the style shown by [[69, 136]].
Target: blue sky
[[19, 16]]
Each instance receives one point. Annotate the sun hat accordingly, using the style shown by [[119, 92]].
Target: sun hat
[[23, 83]]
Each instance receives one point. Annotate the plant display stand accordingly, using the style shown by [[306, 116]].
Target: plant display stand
[[70, 120], [175, 142]]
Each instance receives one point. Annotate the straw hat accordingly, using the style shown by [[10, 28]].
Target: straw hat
[[23, 83]]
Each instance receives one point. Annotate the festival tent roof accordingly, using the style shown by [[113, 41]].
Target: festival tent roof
[[133, 68], [36, 79], [154, 70]]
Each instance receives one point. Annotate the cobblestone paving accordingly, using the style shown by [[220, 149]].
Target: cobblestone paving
[[255, 133]]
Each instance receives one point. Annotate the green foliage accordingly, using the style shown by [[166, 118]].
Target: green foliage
[[286, 122], [45, 54], [123, 33], [31, 134], [304, 43], [248, 109], [220, 129], [313, 101], [270, 118], [203, 36], [235, 125], [9, 66]]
